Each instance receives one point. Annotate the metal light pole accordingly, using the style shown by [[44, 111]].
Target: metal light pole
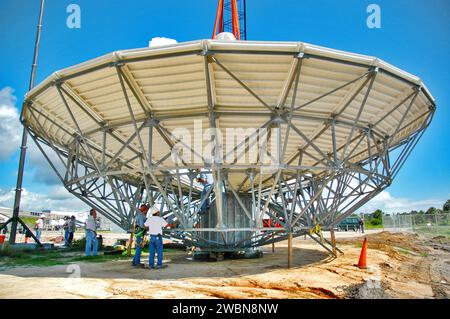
[[23, 148]]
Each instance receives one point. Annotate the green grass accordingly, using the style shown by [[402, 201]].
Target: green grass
[[99, 258], [370, 226], [433, 231], [45, 258], [31, 258], [406, 252], [10, 258], [29, 221]]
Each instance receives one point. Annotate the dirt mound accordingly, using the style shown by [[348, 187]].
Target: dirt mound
[[392, 243], [399, 266], [295, 288], [441, 240], [368, 290]]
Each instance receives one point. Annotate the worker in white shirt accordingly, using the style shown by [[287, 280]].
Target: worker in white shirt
[[155, 225], [91, 233], [39, 226]]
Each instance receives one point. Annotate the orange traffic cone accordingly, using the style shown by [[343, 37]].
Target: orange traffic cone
[[362, 263]]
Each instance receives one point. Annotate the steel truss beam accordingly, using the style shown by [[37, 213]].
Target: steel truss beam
[[298, 198]]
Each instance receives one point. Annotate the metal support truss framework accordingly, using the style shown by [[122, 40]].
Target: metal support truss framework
[[301, 199]]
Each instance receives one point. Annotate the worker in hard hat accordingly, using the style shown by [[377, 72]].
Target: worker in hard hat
[[91, 233], [39, 226], [72, 228], [155, 225], [203, 179], [28, 235], [66, 230], [139, 233], [361, 223]]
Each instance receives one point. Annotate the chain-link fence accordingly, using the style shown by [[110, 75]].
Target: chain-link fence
[[401, 223], [425, 224]]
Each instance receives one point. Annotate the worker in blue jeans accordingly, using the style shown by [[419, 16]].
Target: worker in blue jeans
[[66, 230], [156, 243], [39, 226], [155, 225], [139, 233], [91, 233]]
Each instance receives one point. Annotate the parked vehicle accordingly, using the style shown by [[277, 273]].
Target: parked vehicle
[[349, 223]]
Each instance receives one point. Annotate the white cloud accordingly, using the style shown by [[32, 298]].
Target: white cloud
[[58, 198], [161, 41], [10, 127], [390, 204], [10, 137], [40, 169]]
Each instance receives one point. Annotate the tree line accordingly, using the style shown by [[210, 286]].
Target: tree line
[[376, 218]]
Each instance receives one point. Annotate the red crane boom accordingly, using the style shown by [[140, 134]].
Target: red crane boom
[[231, 17]]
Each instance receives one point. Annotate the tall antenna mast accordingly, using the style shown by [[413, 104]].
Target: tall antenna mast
[[231, 17], [23, 148]]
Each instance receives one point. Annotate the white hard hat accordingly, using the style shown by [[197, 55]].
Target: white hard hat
[[152, 211], [42, 216]]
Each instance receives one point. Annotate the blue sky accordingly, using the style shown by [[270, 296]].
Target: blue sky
[[414, 36]]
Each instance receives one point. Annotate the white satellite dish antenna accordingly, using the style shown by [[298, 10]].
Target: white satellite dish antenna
[[225, 36]]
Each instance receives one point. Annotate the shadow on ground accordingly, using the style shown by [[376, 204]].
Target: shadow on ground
[[179, 266]]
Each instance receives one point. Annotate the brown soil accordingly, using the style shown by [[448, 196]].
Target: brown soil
[[399, 266]]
